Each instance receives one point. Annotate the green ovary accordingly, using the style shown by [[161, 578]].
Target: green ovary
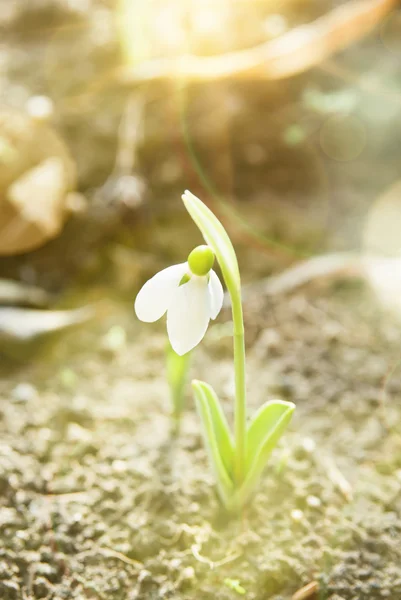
[[201, 260]]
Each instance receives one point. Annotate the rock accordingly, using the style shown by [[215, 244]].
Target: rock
[[42, 588], [24, 392], [33, 209], [36, 175], [9, 590]]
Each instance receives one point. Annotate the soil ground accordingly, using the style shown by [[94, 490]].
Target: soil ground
[[99, 500]]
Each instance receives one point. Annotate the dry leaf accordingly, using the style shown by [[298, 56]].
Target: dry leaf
[[25, 325], [33, 210], [15, 293]]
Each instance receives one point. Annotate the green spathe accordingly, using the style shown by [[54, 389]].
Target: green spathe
[[201, 260], [216, 237]]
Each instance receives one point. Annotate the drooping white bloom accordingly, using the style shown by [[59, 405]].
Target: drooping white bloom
[[189, 299]]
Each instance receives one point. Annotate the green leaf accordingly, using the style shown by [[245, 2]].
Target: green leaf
[[216, 237], [217, 436], [220, 425], [263, 433], [266, 426]]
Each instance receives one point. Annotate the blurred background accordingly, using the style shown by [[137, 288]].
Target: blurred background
[[282, 115]]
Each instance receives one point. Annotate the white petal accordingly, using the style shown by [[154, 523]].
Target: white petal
[[155, 296], [188, 315], [216, 295]]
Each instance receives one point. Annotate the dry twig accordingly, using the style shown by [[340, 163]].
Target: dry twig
[[307, 591], [291, 53]]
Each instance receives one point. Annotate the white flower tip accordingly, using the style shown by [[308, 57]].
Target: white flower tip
[[188, 315], [142, 310], [180, 350]]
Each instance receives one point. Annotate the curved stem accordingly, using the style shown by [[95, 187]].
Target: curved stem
[[240, 388]]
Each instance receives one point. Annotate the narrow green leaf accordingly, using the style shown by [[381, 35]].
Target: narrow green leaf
[[216, 237], [264, 432], [220, 425], [217, 437]]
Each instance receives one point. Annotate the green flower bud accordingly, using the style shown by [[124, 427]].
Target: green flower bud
[[201, 260]]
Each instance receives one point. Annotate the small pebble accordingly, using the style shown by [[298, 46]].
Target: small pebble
[[76, 433], [309, 445], [120, 466], [8, 516], [46, 570], [24, 392], [40, 108], [187, 574], [313, 501], [297, 515], [9, 590], [175, 564], [144, 574], [41, 587]]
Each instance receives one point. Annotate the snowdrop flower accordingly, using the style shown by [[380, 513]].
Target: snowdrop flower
[[190, 293]]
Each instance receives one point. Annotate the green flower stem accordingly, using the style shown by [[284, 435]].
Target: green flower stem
[[240, 387]]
